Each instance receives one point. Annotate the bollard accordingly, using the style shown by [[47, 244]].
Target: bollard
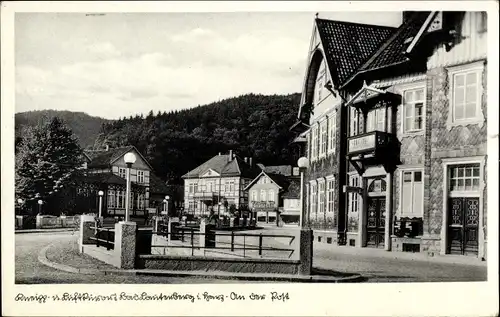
[[306, 251], [125, 244]]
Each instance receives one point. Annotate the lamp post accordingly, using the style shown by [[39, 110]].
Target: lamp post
[[20, 205], [40, 202], [218, 212], [167, 198], [129, 160], [101, 193], [306, 234], [303, 164]]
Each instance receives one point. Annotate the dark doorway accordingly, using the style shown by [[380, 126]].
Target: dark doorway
[[463, 220], [375, 224]]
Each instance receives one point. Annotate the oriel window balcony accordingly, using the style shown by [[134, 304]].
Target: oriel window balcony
[[371, 144]]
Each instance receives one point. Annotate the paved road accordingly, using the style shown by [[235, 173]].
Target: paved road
[[30, 271], [383, 266]]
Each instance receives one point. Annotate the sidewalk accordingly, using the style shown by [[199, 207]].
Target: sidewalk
[[67, 258], [395, 255]]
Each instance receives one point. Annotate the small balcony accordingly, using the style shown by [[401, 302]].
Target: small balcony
[[373, 147], [263, 204]]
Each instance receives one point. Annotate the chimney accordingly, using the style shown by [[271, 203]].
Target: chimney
[[245, 159], [230, 155], [250, 161], [219, 153]]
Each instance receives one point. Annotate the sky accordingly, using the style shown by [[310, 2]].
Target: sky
[[122, 64]]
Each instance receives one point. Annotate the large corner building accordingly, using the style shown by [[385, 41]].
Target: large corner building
[[393, 121]]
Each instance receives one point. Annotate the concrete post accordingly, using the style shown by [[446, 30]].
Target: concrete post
[[203, 231], [125, 244], [39, 221], [86, 222], [306, 251]]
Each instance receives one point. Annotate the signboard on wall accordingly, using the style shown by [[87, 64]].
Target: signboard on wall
[[362, 143]]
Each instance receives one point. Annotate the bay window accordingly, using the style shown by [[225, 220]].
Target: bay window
[[375, 120]]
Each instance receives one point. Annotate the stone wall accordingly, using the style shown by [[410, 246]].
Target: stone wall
[[194, 263]]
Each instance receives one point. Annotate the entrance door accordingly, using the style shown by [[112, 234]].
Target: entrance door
[[463, 226], [375, 225]]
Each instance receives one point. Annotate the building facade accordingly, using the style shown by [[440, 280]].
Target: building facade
[[415, 139], [106, 170], [218, 184], [266, 194]]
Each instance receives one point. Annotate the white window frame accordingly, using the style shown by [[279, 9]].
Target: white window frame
[[478, 68], [314, 143], [321, 196], [254, 195], [375, 115], [401, 182], [124, 170], [140, 177], [332, 131], [330, 195], [323, 137], [320, 83], [354, 124], [270, 195], [354, 198], [413, 88], [313, 197], [263, 195]]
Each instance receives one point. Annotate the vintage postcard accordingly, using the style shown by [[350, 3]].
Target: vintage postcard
[[249, 158]]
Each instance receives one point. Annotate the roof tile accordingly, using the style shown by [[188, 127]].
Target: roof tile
[[348, 45]]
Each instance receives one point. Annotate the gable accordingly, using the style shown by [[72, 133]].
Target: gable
[[210, 173], [140, 162]]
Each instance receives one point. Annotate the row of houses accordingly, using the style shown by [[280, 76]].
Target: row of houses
[[227, 183], [224, 184], [393, 122]]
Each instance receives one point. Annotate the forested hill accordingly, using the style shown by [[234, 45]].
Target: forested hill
[[178, 141], [85, 127]]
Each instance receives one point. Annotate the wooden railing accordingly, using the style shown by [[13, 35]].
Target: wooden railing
[[188, 235], [104, 237]]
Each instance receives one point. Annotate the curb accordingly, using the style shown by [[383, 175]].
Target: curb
[[22, 231], [355, 278]]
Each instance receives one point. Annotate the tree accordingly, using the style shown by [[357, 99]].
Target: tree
[[48, 160]]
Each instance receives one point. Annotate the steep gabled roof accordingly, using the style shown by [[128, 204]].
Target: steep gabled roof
[[279, 179], [348, 45], [222, 165], [392, 51], [105, 158]]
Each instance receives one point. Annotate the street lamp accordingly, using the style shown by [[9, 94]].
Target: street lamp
[[101, 193], [129, 160], [167, 198], [40, 202], [303, 164]]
